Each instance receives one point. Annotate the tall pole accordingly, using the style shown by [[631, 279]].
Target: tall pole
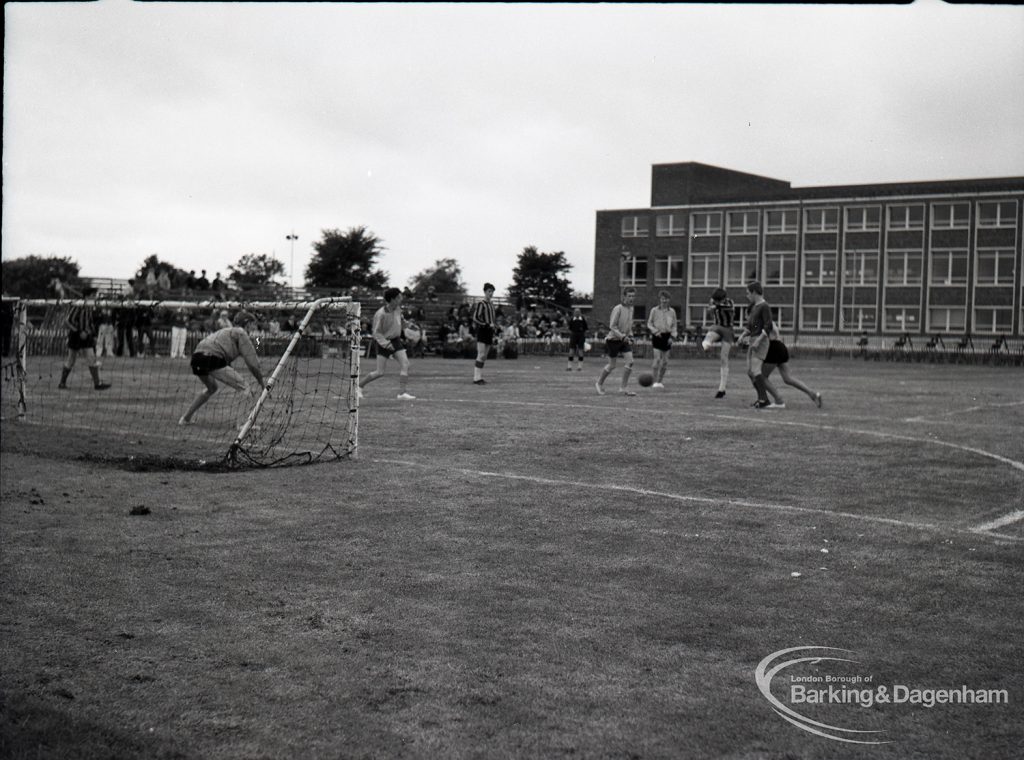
[[291, 267]]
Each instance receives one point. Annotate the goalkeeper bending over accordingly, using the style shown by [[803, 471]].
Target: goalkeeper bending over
[[212, 359]]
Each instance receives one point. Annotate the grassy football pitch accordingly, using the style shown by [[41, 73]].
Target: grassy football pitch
[[529, 570]]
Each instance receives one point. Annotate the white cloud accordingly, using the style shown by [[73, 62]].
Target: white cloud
[[204, 132]]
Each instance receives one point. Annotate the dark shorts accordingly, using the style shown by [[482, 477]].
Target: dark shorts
[[392, 348], [577, 340], [485, 334], [777, 353], [616, 346], [725, 333], [76, 342], [204, 364], [662, 341]]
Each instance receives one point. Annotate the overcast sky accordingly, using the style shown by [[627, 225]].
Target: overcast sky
[[203, 132]]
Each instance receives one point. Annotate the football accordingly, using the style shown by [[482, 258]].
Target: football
[[646, 379]]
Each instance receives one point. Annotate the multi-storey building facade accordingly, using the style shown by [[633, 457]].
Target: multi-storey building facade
[[920, 257]]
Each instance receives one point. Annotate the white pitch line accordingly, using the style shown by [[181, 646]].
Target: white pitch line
[[756, 505], [765, 416], [1000, 522], [980, 407]]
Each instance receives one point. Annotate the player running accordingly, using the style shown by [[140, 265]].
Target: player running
[[722, 311], [755, 335], [778, 356], [388, 333]]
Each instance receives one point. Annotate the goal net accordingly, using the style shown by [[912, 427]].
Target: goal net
[[308, 354]]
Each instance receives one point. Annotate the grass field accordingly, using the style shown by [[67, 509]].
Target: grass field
[[529, 570]]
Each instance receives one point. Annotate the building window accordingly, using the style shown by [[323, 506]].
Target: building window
[[704, 269], [817, 317], [781, 221], [740, 268], [821, 220], [993, 319], [706, 223], [861, 268], [858, 318], [819, 268], [634, 271], [742, 222], [945, 319], [670, 225], [863, 218], [951, 216], [949, 267], [780, 269], [997, 214], [902, 319], [904, 268], [782, 317], [906, 217], [634, 226], [668, 270], [995, 267]]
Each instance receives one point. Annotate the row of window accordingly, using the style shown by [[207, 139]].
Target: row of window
[[994, 266], [952, 215], [940, 319]]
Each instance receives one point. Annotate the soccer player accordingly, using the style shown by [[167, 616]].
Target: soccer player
[[211, 361], [577, 339], [483, 321], [81, 338], [619, 341], [664, 327], [755, 334], [722, 311], [778, 356], [388, 332]]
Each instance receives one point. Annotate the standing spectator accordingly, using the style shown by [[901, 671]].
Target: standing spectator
[[191, 280], [163, 281], [124, 321], [105, 334], [179, 333], [144, 328], [202, 283], [218, 287]]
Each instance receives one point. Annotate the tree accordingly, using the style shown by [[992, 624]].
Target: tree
[[33, 276], [255, 269], [153, 262], [346, 260], [445, 277], [540, 277]]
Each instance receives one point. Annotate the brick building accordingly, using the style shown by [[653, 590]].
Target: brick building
[[919, 257]]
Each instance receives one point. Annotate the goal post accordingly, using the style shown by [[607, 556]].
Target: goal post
[[309, 352]]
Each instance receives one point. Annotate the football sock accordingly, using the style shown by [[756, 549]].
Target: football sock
[[64, 372]]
